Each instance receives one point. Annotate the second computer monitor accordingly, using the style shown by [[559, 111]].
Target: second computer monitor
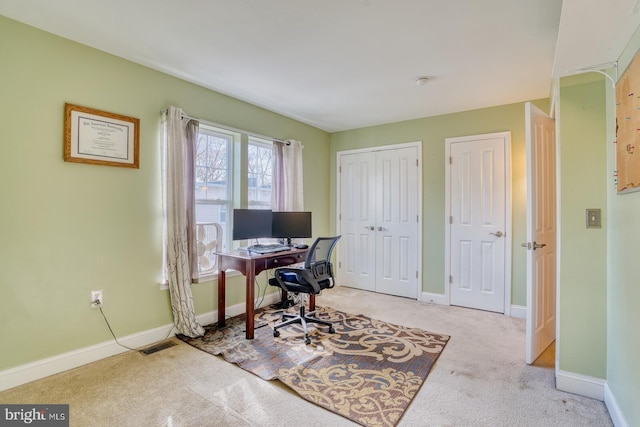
[[290, 225]]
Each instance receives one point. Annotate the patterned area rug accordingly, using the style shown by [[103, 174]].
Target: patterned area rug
[[367, 371]]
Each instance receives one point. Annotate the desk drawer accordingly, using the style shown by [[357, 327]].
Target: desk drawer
[[284, 260]]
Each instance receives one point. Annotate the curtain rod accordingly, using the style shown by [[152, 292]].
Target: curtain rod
[[231, 128]]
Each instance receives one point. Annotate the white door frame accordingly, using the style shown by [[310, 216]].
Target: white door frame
[[508, 229], [418, 146]]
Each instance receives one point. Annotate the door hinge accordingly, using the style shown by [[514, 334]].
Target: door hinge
[[339, 264], [450, 279], [416, 274], [451, 219], [340, 169], [417, 163], [450, 160]]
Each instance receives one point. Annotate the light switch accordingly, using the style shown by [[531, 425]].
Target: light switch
[[593, 218]]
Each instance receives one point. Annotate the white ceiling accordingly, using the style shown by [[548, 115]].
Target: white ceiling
[[345, 64]]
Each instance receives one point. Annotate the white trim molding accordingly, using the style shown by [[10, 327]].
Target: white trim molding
[[440, 299], [582, 385], [519, 311], [28, 372], [617, 417], [39, 369]]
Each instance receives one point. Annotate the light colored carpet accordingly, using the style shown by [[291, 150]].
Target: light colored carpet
[[366, 370], [480, 380]]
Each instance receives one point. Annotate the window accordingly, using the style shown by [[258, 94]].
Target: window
[[213, 189], [259, 173], [231, 169], [214, 171]]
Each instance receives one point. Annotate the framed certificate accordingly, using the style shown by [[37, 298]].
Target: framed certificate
[[100, 138]]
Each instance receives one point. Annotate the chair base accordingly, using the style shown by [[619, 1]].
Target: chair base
[[302, 318]]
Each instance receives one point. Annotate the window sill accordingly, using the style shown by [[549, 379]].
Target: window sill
[[214, 276], [203, 279]]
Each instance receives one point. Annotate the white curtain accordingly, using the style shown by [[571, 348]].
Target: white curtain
[[287, 191], [180, 137]]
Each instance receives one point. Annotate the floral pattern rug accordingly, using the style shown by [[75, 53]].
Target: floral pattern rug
[[367, 371]]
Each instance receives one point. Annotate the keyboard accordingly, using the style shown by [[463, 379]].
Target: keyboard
[[268, 249]]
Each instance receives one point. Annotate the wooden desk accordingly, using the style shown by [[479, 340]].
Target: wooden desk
[[251, 264]]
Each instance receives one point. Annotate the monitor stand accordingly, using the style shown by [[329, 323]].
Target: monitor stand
[[285, 241]]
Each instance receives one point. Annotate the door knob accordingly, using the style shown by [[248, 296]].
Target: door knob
[[381, 229], [498, 234], [370, 227], [538, 245]]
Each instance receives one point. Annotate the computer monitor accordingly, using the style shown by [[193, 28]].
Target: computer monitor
[[288, 225], [251, 224]]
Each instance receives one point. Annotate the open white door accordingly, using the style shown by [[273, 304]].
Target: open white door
[[541, 231]]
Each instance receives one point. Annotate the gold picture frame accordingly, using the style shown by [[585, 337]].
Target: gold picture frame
[[100, 138]]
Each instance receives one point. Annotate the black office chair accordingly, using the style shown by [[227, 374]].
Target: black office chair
[[316, 275]]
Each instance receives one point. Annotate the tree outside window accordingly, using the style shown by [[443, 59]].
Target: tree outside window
[[260, 173]]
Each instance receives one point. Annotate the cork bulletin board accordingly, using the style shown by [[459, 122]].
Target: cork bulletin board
[[628, 129]]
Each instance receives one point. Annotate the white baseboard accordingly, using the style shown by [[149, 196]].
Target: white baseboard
[[580, 384], [63, 362], [440, 299], [234, 310], [519, 311], [28, 372], [617, 417]]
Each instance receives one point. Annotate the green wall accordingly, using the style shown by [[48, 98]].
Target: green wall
[[583, 252], [432, 131], [623, 273], [68, 228]]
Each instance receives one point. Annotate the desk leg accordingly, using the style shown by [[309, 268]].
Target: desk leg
[[221, 296], [312, 302], [250, 307]]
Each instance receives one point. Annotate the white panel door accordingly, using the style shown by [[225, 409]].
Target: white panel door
[[379, 221], [357, 262], [541, 232], [477, 223], [397, 222]]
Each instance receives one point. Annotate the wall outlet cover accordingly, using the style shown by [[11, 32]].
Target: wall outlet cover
[[593, 218]]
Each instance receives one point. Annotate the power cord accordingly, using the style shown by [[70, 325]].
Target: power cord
[[261, 298], [114, 335], [264, 292], [258, 305]]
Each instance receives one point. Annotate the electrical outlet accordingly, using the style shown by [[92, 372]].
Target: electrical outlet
[[96, 298]]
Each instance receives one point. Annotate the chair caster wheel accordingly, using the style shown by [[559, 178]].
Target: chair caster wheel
[[307, 341], [331, 330], [276, 333]]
